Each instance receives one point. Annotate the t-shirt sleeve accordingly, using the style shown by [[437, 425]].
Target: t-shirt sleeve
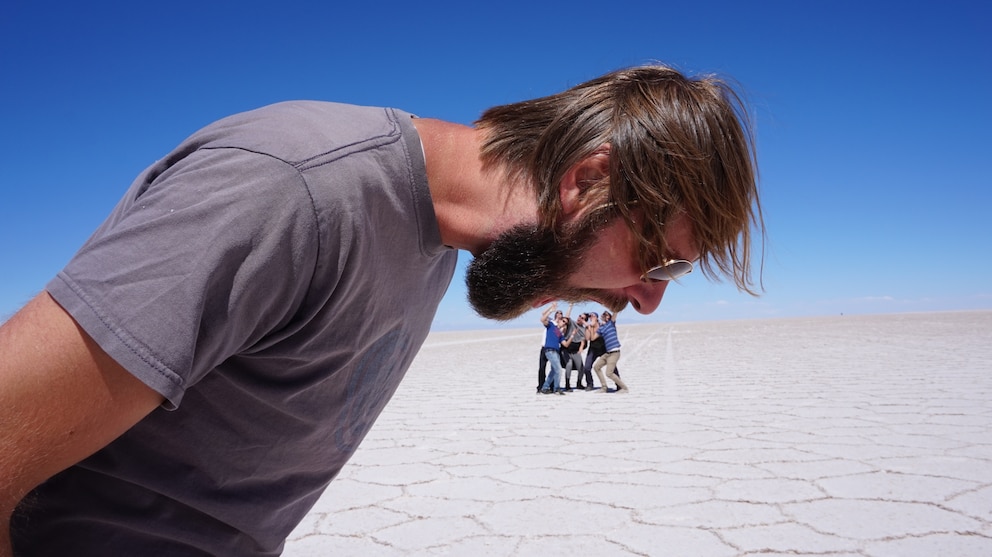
[[204, 258]]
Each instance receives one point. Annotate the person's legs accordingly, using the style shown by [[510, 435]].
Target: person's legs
[[587, 369], [551, 382], [542, 364], [611, 365], [575, 362], [597, 366], [566, 371], [556, 385]]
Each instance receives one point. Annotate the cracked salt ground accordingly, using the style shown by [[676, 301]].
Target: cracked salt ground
[[854, 435]]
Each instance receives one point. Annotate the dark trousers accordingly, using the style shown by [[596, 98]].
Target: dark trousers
[[541, 366]]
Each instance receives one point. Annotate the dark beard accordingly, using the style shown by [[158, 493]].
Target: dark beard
[[527, 264]]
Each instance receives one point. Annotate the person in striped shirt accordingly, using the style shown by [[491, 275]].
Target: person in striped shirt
[[608, 330]]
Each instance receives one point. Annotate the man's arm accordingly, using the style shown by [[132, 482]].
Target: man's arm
[[547, 313], [61, 399]]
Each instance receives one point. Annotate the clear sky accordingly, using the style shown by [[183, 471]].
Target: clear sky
[[873, 119]]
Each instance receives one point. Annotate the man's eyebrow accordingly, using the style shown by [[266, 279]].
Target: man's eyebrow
[[679, 255]]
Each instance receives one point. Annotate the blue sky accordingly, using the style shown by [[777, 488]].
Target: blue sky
[[873, 120]]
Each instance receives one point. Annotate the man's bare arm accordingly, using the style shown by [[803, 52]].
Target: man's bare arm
[[547, 313], [61, 399]]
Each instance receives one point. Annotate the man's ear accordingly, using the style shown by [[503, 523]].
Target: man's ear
[[589, 171]]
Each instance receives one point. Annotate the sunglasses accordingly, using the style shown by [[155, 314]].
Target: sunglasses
[[670, 270]]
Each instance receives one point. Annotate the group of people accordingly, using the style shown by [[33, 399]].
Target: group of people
[[566, 340]]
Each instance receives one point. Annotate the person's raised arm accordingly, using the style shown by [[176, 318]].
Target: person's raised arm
[[61, 399], [547, 313]]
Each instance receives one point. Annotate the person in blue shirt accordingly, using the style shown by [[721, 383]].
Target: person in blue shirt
[[552, 351]]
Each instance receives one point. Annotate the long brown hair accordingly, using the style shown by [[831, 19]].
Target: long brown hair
[[676, 144]]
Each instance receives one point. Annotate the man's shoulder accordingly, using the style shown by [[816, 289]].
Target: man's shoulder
[[302, 131]]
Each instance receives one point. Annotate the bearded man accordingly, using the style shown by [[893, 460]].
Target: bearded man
[[216, 351]]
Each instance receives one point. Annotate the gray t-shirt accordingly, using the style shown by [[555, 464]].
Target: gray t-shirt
[[272, 278]]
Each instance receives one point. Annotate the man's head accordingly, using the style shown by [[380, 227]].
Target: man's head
[[607, 317], [644, 147]]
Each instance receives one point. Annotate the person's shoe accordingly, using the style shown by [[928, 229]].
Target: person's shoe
[[590, 388], [545, 391], [561, 392], [622, 391]]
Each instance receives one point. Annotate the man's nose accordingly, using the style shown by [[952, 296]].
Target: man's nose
[[646, 296]]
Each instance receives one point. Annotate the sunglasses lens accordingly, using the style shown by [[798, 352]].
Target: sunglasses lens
[[672, 270]]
